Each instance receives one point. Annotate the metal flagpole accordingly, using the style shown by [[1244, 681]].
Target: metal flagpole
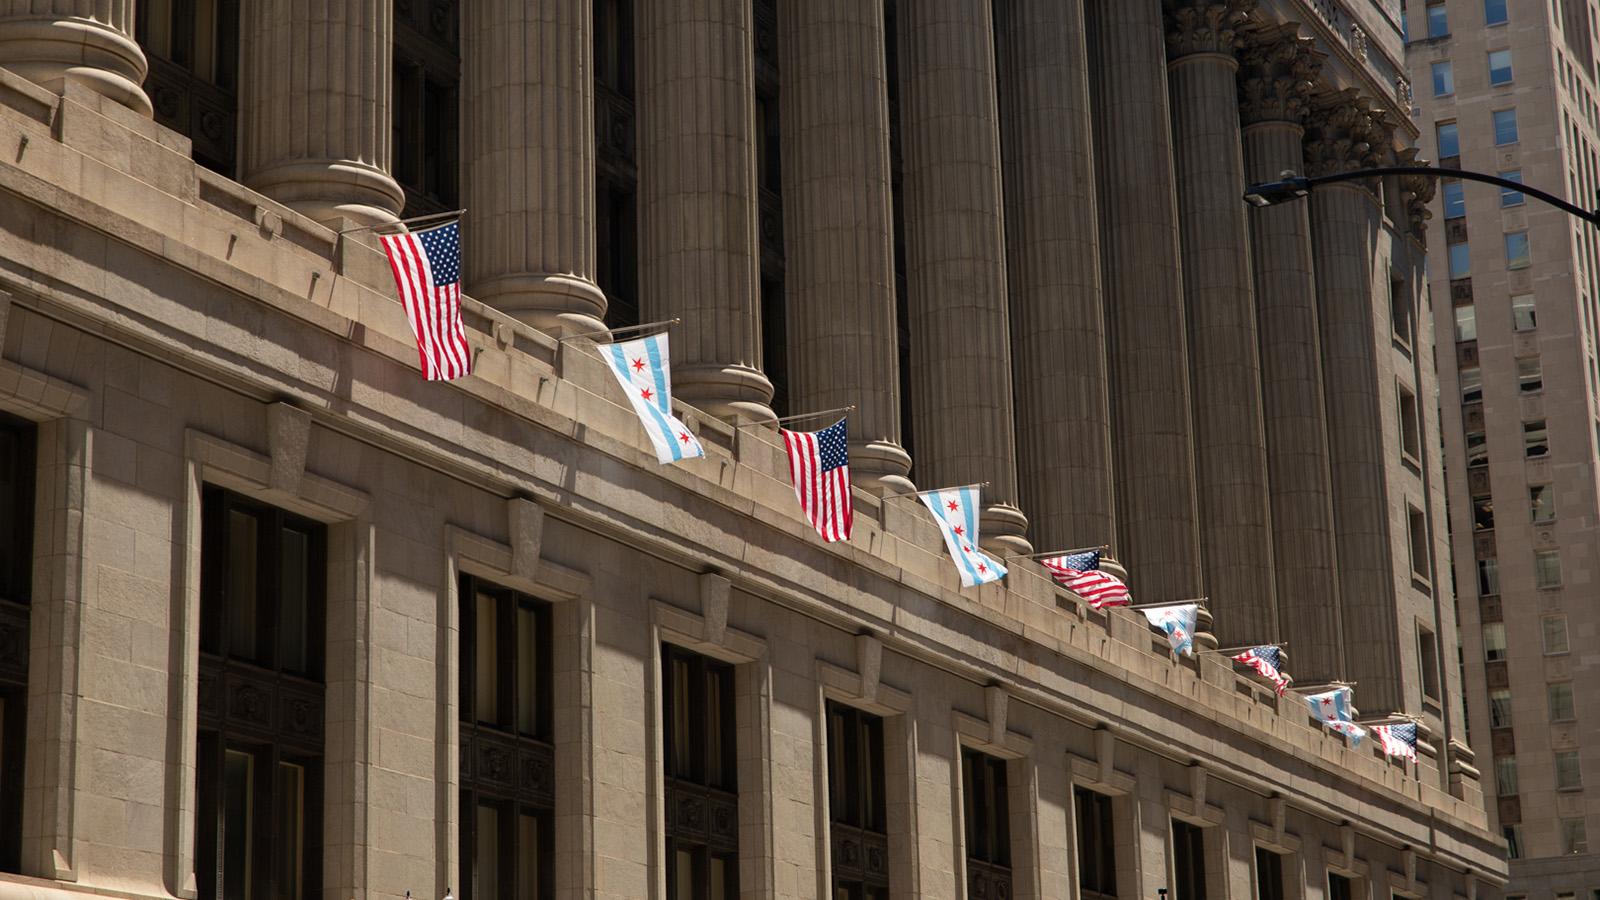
[[1391, 719], [1057, 552], [956, 487], [811, 415], [1247, 647], [616, 331], [1197, 600], [1302, 688], [411, 221]]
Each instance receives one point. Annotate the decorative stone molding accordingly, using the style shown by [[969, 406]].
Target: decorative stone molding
[[1277, 71], [1343, 133], [1206, 26], [1416, 192]]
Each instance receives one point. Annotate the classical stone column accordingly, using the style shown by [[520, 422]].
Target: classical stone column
[[528, 151], [1343, 134], [1229, 437], [1278, 69], [86, 41], [838, 239], [697, 208], [315, 103], [955, 259], [1053, 266], [1152, 447]]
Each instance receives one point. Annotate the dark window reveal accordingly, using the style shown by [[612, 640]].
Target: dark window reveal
[[426, 107], [17, 442], [988, 821], [193, 50], [701, 777], [856, 807], [1189, 860], [1097, 858]]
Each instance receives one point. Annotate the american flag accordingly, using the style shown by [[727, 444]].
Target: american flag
[[1266, 662], [819, 466], [427, 271], [1080, 573], [1398, 740]]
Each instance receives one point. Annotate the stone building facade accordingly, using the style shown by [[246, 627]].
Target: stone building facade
[[284, 620], [1510, 90]]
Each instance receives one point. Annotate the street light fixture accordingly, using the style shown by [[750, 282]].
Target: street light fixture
[[1292, 187]]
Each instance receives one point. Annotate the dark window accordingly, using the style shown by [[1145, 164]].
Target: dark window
[[263, 576], [1428, 662], [988, 820], [1339, 887], [1400, 310], [426, 108], [17, 442], [769, 189], [902, 312], [507, 820], [1097, 847], [856, 805], [1410, 426], [616, 172], [1269, 875], [1189, 860], [701, 777], [193, 50]]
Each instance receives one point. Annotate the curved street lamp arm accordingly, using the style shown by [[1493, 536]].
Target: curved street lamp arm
[[1588, 215]]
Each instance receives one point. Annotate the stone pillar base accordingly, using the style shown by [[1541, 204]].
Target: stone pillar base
[[50, 50], [559, 305], [733, 392], [880, 467], [1003, 529], [325, 189]]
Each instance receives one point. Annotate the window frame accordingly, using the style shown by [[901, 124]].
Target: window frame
[[1509, 197], [1530, 322], [857, 801], [1566, 709], [1547, 633], [1458, 263], [1451, 128], [1535, 438], [1496, 122], [1543, 570], [1497, 646], [1489, 65], [1094, 818], [1446, 68], [19, 445], [986, 826], [1541, 495], [1188, 860], [1505, 13], [1268, 870], [1453, 195], [1518, 257], [1496, 720], [715, 838], [1530, 375], [1575, 769]]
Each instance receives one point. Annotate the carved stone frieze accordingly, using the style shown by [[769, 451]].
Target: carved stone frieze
[[1416, 191], [1277, 71], [1343, 133], [1206, 26]]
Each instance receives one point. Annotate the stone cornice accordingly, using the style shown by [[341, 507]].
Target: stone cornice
[[1278, 70], [1206, 26], [1344, 132]]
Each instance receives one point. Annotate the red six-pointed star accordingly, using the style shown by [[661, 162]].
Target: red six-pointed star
[[953, 505], [683, 436], [982, 567], [638, 365], [645, 393], [959, 530]]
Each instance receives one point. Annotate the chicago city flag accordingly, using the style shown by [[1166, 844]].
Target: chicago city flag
[[1332, 708], [956, 511], [1178, 622], [643, 369]]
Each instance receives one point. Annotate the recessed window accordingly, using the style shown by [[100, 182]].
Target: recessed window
[[1524, 316], [17, 442], [1483, 513], [1455, 199], [1410, 435], [1097, 843], [856, 805], [1466, 317], [1559, 697], [1418, 526], [988, 823], [1547, 568], [1554, 629], [1500, 708], [1428, 662], [1513, 836], [1449, 137], [1400, 317], [1494, 642], [1444, 79], [193, 54], [1438, 26], [1517, 254], [1499, 67], [1511, 196], [1542, 503], [1188, 860], [1471, 384], [1269, 875], [1494, 12], [1460, 257], [1505, 126], [1530, 375], [1535, 439], [426, 106], [1505, 775], [1574, 836], [700, 765], [1339, 887], [1569, 773]]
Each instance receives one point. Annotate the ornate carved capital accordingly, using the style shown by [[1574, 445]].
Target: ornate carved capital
[[1206, 26], [1416, 191], [1343, 133], [1277, 71]]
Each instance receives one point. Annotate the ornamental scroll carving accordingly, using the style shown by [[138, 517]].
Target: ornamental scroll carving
[[1343, 133], [1206, 26], [1278, 70], [1416, 191]]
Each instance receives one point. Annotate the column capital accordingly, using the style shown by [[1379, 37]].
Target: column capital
[[1416, 191], [1344, 132], [1206, 26], [1278, 69]]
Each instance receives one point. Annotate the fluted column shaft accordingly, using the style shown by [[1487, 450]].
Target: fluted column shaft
[[1053, 267], [955, 258], [89, 42], [837, 225], [697, 209], [315, 102], [1344, 227], [1158, 535], [1275, 84], [1229, 436], [528, 149]]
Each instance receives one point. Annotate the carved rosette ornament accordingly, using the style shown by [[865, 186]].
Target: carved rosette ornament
[[1278, 70], [1344, 133], [1416, 192], [1206, 26]]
